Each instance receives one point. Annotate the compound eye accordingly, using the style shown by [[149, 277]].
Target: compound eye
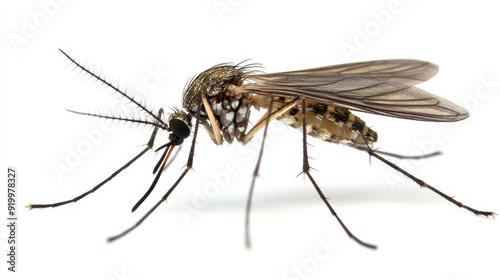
[[180, 124], [179, 128]]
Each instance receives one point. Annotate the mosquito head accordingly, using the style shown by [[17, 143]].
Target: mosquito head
[[180, 126]]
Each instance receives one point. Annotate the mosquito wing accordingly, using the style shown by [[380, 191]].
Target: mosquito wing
[[383, 87]]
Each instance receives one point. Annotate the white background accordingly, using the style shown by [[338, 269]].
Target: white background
[[420, 235]]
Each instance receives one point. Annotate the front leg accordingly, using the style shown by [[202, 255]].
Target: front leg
[[215, 133]]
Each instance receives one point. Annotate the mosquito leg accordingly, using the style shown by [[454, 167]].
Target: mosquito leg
[[306, 170], [189, 166], [166, 154], [362, 148], [262, 123], [268, 117], [248, 243], [214, 123], [423, 184], [148, 147]]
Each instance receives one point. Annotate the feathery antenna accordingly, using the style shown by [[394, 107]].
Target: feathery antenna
[[109, 84]]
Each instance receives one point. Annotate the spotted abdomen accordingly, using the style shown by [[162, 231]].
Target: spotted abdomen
[[327, 123]]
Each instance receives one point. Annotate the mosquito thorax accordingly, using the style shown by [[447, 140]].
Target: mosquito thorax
[[231, 109], [180, 126], [211, 82]]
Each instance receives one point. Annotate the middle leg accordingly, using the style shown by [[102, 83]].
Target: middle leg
[[306, 168]]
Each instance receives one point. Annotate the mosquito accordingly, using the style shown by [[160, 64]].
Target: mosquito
[[315, 101]]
